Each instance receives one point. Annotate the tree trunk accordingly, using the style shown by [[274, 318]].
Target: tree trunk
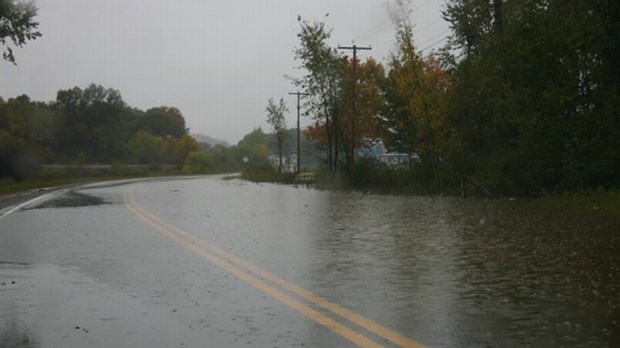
[[279, 156]]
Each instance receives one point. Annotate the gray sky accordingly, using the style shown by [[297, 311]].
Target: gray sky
[[218, 61]]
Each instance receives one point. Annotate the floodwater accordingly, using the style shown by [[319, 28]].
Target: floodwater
[[81, 269]]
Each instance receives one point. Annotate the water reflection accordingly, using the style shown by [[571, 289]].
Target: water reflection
[[472, 273], [12, 335], [14, 331]]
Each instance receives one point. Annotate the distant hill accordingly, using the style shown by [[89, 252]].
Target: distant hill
[[201, 138]]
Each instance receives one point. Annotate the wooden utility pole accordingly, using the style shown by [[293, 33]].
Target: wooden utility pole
[[354, 97], [298, 94]]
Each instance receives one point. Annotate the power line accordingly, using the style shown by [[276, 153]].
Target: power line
[[422, 5], [443, 33], [375, 30], [434, 44], [418, 30]]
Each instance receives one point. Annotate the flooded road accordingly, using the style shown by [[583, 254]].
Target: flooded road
[[214, 263]]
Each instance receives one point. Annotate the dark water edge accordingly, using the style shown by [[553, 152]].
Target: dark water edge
[[508, 271]]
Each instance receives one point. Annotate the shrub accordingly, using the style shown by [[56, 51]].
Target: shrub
[[198, 163]]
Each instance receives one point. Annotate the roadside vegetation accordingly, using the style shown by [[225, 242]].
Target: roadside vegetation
[[523, 100], [606, 201]]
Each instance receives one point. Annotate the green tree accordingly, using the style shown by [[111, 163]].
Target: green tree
[[17, 25], [93, 122], [535, 96], [324, 67], [146, 148], [199, 163], [11, 152], [415, 92], [33, 123], [184, 146], [275, 117], [254, 146], [225, 160], [164, 121]]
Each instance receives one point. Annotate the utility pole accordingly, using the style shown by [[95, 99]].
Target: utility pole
[[298, 94], [354, 97]]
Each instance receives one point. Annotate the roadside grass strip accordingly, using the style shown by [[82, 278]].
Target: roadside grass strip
[[249, 272]]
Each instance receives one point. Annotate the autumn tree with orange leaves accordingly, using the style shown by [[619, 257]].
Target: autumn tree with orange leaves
[[415, 92], [332, 85], [362, 84]]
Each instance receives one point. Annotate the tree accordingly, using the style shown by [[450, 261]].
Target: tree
[[322, 83], [11, 151], [184, 146], [535, 95], [254, 146], [93, 122], [275, 117], [164, 121], [17, 25], [198, 163], [147, 148], [415, 93], [360, 81]]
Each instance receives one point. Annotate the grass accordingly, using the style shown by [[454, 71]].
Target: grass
[[600, 199], [265, 173], [56, 177]]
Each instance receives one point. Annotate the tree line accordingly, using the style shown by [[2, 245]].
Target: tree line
[[524, 99], [95, 126], [88, 126]]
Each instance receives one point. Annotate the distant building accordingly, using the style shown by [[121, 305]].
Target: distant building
[[371, 148], [375, 149]]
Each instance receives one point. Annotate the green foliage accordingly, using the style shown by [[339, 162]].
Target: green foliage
[[16, 159], [530, 100], [322, 83], [368, 173], [146, 148], [183, 147], [88, 127], [254, 146], [526, 102], [17, 25], [266, 173], [92, 121], [164, 121], [530, 103], [275, 117], [199, 163]]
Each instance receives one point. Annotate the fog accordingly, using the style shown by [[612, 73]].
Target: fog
[[218, 61]]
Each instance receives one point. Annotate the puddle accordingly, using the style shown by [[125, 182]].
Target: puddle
[[70, 200], [45, 305]]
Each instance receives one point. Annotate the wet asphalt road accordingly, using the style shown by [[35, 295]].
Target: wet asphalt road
[[205, 262], [80, 268]]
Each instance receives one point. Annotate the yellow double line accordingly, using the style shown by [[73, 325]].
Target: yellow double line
[[250, 273]]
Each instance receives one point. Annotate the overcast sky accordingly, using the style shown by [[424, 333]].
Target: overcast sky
[[218, 61]]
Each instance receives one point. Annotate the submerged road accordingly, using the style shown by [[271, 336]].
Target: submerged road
[[95, 266], [206, 262]]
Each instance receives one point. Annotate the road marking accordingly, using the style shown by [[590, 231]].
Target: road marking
[[183, 239], [227, 261], [18, 207]]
